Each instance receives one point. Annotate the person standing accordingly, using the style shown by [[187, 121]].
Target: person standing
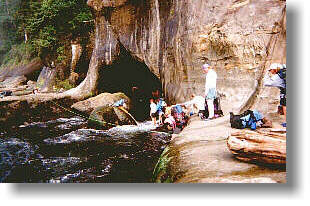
[[210, 88], [153, 111], [276, 77]]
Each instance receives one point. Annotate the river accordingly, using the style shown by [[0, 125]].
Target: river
[[66, 150]]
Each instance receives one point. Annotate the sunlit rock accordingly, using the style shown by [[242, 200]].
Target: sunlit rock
[[101, 100]]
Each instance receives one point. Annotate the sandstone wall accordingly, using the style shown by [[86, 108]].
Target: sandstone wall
[[174, 38]]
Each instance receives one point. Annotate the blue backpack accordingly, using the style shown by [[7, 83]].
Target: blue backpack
[[282, 75], [248, 119]]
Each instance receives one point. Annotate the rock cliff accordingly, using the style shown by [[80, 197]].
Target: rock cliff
[[174, 38]]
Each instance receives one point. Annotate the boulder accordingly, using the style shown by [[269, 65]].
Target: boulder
[[262, 147], [102, 100], [107, 117]]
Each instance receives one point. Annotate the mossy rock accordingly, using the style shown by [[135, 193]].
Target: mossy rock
[[160, 173]]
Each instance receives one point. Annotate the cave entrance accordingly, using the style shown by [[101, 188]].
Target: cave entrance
[[134, 79]]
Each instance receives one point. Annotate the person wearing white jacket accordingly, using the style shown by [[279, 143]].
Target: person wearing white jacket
[[276, 77], [210, 88], [197, 102]]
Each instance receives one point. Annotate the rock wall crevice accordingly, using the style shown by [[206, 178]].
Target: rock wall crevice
[[174, 38]]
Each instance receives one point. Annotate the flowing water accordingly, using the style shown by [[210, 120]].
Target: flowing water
[[66, 150]]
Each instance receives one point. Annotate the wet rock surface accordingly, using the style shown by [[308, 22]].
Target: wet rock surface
[[15, 110], [173, 38], [108, 116]]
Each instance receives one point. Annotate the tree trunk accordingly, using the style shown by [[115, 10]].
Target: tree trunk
[[265, 147]]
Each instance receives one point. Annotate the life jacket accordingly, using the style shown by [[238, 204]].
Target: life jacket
[[178, 109]]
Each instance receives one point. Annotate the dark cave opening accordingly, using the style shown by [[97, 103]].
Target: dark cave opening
[[134, 79]]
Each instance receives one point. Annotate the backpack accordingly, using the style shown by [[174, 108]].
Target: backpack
[[161, 104], [178, 109], [6, 93], [235, 121], [245, 120], [282, 74], [217, 107]]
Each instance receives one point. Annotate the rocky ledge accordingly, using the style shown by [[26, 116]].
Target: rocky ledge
[[199, 154], [15, 110]]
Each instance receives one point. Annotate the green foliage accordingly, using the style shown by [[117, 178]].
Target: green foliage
[[48, 25], [8, 26], [18, 54], [55, 21], [61, 54], [160, 171], [65, 84]]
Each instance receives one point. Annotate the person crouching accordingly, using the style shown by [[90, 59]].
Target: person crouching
[[169, 120]]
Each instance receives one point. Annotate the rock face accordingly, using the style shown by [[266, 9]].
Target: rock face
[[99, 4], [102, 100], [258, 147], [174, 38], [106, 50], [200, 154]]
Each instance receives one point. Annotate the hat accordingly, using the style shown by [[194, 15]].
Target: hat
[[205, 66], [275, 66]]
